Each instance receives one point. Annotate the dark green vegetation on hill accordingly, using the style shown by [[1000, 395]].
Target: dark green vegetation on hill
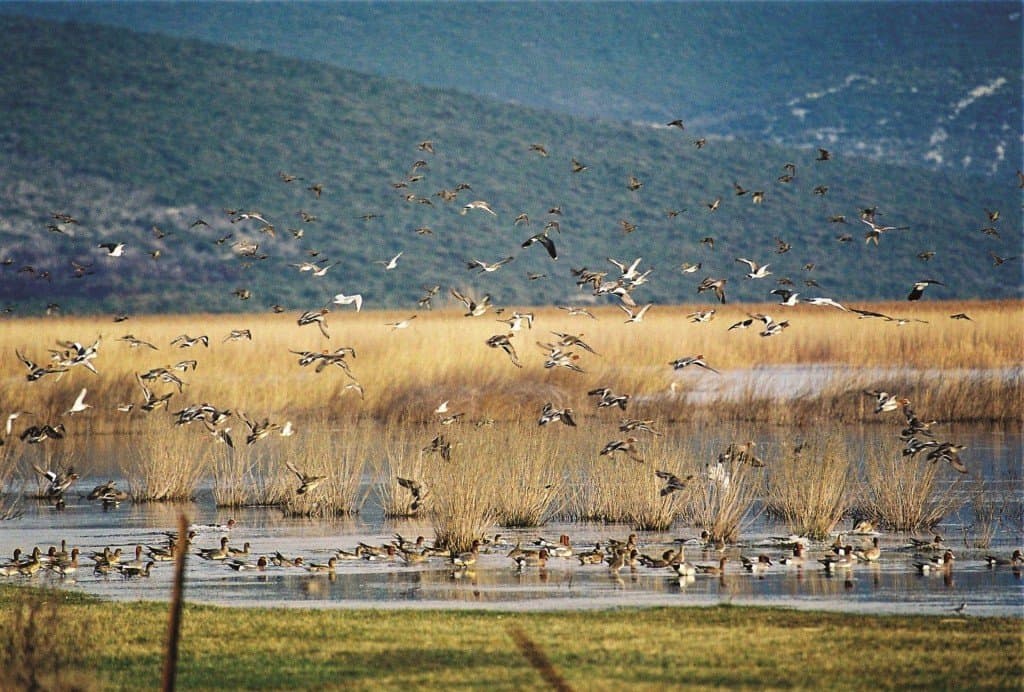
[[879, 79], [126, 131], [654, 648]]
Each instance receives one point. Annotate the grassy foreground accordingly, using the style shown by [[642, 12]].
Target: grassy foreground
[[724, 646]]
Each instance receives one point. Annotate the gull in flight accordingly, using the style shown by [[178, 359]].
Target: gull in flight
[[757, 271], [637, 316], [488, 267], [79, 404], [391, 263], [342, 299], [478, 204], [403, 324], [113, 249]]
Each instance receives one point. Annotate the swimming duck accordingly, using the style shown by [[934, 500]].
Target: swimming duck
[[761, 564], [320, 568], [219, 553], [870, 554], [717, 570], [467, 559]]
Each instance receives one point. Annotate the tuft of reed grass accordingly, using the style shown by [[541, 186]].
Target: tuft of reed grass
[[233, 484], [905, 493], [317, 450], [165, 464], [809, 488], [990, 503], [528, 470], [402, 458], [9, 500], [725, 498], [463, 501]]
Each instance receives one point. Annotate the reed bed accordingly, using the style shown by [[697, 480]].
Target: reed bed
[[463, 501], [401, 457], [318, 451], [529, 473], [725, 498], [9, 501], [402, 371], [906, 494], [810, 487], [233, 482], [165, 464]]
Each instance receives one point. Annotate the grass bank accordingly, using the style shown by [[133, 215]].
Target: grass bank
[[724, 646]]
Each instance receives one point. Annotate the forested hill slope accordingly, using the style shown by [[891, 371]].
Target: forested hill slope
[[931, 84], [125, 132]]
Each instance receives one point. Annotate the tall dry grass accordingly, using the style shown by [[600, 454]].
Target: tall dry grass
[[404, 373], [906, 493], [9, 500], [810, 488], [529, 472], [165, 464], [340, 455], [725, 499], [401, 457], [463, 501]]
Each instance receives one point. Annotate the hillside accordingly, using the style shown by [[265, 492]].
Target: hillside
[[126, 131], [792, 73]]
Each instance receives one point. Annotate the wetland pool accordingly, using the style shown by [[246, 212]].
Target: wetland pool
[[892, 585]]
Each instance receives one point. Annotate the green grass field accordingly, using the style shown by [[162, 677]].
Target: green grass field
[[121, 646]]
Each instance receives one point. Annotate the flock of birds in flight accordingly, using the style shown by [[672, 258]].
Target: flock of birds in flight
[[561, 352]]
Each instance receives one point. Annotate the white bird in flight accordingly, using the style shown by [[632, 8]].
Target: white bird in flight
[[342, 299]]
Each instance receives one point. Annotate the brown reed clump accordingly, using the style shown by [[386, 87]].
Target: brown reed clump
[[991, 503], [318, 451], [402, 458], [9, 501], [906, 493], [810, 487], [41, 648], [165, 464], [232, 471], [724, 498], [464, 495], [528, 469]]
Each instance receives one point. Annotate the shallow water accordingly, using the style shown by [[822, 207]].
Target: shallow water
[[891, 586]]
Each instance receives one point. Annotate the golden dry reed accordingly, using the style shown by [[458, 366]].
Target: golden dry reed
[[402, 371], [906, 493], [164, 463], [810, 486], [725, 497]]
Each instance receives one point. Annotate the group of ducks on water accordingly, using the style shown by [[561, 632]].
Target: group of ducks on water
[[930, 556]]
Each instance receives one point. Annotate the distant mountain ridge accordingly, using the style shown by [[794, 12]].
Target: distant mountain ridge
[[932, 84], [138, 137]]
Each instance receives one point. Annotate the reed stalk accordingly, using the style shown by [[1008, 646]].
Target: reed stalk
[[165, 464], [724, 499], [906, 493], [463, 501], [810, 486]]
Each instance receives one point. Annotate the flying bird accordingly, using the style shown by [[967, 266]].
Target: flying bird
[[918, 290]]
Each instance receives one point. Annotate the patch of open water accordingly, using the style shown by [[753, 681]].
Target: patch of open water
[[890, 586]]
